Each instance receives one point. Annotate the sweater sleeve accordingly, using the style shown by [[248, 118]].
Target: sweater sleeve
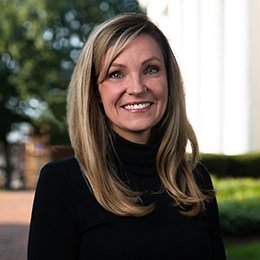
[[212, 216], [53, 229]]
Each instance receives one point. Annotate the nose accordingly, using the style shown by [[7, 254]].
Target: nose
[[136, 85]]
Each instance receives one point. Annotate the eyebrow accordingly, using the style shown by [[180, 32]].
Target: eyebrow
[[119, 65]]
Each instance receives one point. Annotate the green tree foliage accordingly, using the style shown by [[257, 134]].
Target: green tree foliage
[[39, 44], [17, 39]]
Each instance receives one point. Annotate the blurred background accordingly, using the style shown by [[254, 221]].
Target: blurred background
[[40, 42], [217, 45]]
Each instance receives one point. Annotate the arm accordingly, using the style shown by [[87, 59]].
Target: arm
[[212, 215], [53, 229], [214, 228]]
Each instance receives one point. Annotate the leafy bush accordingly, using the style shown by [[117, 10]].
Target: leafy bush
[[243, 165], [239, 205], [245, 251]]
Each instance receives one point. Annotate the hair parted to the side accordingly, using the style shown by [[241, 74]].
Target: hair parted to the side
[[90, 133]]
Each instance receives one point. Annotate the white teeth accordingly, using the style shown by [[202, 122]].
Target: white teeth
[[137, 106]]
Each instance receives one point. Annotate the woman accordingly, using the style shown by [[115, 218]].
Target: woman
[[130, 191]]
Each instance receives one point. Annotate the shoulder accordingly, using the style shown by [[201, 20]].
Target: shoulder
[[65, 165], [202, 177], [61, 171]]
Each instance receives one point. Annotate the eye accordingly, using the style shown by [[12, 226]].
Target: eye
[[152, 70], [116, 75]]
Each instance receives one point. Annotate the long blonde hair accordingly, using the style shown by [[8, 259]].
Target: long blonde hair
[[90, 133]]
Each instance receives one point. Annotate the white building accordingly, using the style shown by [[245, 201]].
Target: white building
[[217, 44]]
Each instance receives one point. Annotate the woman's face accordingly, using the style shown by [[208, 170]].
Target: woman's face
[[134, 94]]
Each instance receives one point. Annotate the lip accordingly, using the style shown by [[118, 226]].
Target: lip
[[136, 106]]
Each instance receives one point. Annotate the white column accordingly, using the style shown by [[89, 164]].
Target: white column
[[211, 75], [218, 52], [236, 77], [255, 75], [188, 55], [197, 37]]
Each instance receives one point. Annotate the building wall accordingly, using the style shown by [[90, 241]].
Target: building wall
[[217, 45]]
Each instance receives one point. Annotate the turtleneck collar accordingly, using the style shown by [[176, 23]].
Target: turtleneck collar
[[136, 158]]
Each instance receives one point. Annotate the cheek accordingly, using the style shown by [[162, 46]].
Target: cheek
[[108, 97], [103, 93], [163, 97], [162, 93]]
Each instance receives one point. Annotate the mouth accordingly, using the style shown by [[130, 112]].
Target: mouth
[[137, 106]]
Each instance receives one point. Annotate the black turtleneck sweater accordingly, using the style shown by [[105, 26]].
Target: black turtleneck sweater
[[69, 224]]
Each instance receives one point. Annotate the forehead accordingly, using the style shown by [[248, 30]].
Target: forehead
[[142, 46]]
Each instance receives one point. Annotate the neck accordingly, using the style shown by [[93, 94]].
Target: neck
[[140, 137]]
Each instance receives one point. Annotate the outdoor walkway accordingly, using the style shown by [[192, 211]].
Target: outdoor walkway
[[15, 213]]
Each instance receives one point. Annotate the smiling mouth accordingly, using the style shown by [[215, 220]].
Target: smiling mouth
[[137, 106]]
